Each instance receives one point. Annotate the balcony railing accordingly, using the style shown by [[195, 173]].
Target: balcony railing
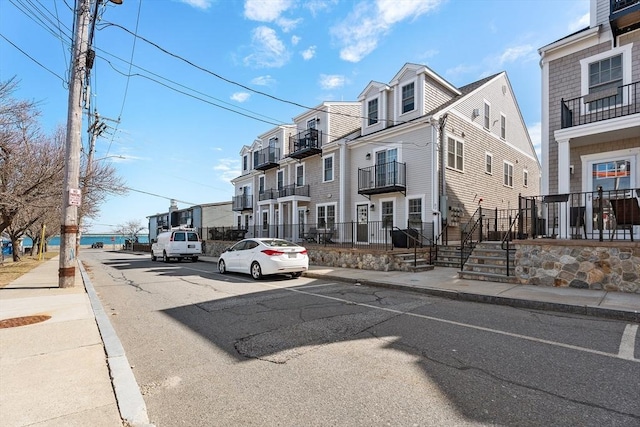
[[383, 178], [269, 194], [305, 144], [267, 158], [599, 106], [294, 190], [241, 203], [624, 15]]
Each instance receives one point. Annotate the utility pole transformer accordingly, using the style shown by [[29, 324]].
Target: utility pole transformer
[[71, 187]]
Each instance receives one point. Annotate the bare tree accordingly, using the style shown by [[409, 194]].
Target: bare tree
[[131, 229]]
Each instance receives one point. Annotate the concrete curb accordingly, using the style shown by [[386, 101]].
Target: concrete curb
[[133, 410], [587, 310]]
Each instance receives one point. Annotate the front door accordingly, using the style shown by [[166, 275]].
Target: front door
[[614, 175], [362, 230], [301, 222]]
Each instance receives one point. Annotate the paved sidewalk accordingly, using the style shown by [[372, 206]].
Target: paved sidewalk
[[55, 372], [444, 282]]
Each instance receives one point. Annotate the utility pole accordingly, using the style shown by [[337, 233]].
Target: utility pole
[[71, 186]]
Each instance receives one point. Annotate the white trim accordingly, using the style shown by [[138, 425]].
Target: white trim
[[399, 97], [586, 159], [456, 139], [295, 174], [490, 155], [506, 162], [503, 116], [333, 167], [366, 118], [604, 126], [544, 127], [486, 118], [574, 43], [625, 51], [423, 201], [525, 178]]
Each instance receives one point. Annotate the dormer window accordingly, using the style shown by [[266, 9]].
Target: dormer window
[[245, 163], [372, 112], [408, 98], [312, 124]]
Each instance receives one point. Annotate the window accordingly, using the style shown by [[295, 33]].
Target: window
[[488, 163], [508, 174], [312, 124], [407, 98], [525, 178], [280, 179], [487, 115], [261, 184], [455, 154], [387, 214], [245, 162], [503, 126], [299, 175], [415, 212], [256, 157], [326, 216], [603, 75], [386, 170], [178, 237], [328, 169], [372, 111], [265, 220]]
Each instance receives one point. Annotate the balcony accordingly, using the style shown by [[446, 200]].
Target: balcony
[[242, 203], [270, 194], [604, 105], [305, 144], [384, 178], [624, 15], [267, 159], [294, 190]]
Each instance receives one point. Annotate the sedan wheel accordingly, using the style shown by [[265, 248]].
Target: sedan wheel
[[296, 274], [222, 268], [256, 271]]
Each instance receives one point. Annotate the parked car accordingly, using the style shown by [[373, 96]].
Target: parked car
[[264, 256], [180, 243], [97, 245]]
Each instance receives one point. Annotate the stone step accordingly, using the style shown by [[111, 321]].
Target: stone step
[[451, 264], [488, 268], [490, 260], [488, 277]]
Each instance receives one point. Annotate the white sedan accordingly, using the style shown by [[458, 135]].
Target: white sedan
[[264, 256]]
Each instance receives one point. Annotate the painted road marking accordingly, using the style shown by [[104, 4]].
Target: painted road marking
[[478, 328], [628, 342]]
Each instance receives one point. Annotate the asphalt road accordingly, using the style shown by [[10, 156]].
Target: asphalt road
[[224, 350]]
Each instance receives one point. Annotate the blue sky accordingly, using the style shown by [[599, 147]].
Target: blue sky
[[181, 104]]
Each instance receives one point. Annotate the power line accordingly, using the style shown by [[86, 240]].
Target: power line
[[32, 58]]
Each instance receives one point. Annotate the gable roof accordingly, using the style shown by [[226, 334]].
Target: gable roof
[[418, 69], [464, 91]]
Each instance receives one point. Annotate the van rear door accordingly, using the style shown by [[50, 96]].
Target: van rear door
[[194, 246], [178, 243]]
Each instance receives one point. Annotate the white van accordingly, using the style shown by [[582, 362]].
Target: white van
[[179, 243]]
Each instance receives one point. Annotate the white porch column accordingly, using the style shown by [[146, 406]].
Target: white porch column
[[280, 221], [272, 220], [295, 233], [563, 187]]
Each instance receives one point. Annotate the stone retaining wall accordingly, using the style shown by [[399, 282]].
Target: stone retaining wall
[[610, 266]]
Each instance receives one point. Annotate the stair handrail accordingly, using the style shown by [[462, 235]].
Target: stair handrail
[[415, 242], [507, 237], [434, 243], [468, 235]]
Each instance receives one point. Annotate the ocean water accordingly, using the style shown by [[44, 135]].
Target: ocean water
[[89, 239]]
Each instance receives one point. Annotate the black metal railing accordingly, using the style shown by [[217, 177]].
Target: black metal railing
[[305, 143], [267, 158], [618, 5], [470, 234], [596, 215], [507, 238], [391, 176], [294, 190], [599, 106], [242, 202], [269, 194]]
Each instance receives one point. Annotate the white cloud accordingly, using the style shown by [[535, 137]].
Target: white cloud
[[428, 54], [271, 11], [263, 81], [580, 22], [269, 51], [359, 33], [295, 40], [331, 81], [523, 52], [199, 4], [309, 53], [535, 132], [316, 6], [461, 69], [227, 169], [240, 96]]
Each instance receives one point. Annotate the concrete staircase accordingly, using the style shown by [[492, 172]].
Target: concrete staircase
[[448, 256], [488, 261], [422, 264]]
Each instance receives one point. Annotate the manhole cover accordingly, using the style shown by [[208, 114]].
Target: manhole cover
[[22, 321]]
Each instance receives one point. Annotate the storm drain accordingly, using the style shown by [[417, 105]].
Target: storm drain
[[23, 321]]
